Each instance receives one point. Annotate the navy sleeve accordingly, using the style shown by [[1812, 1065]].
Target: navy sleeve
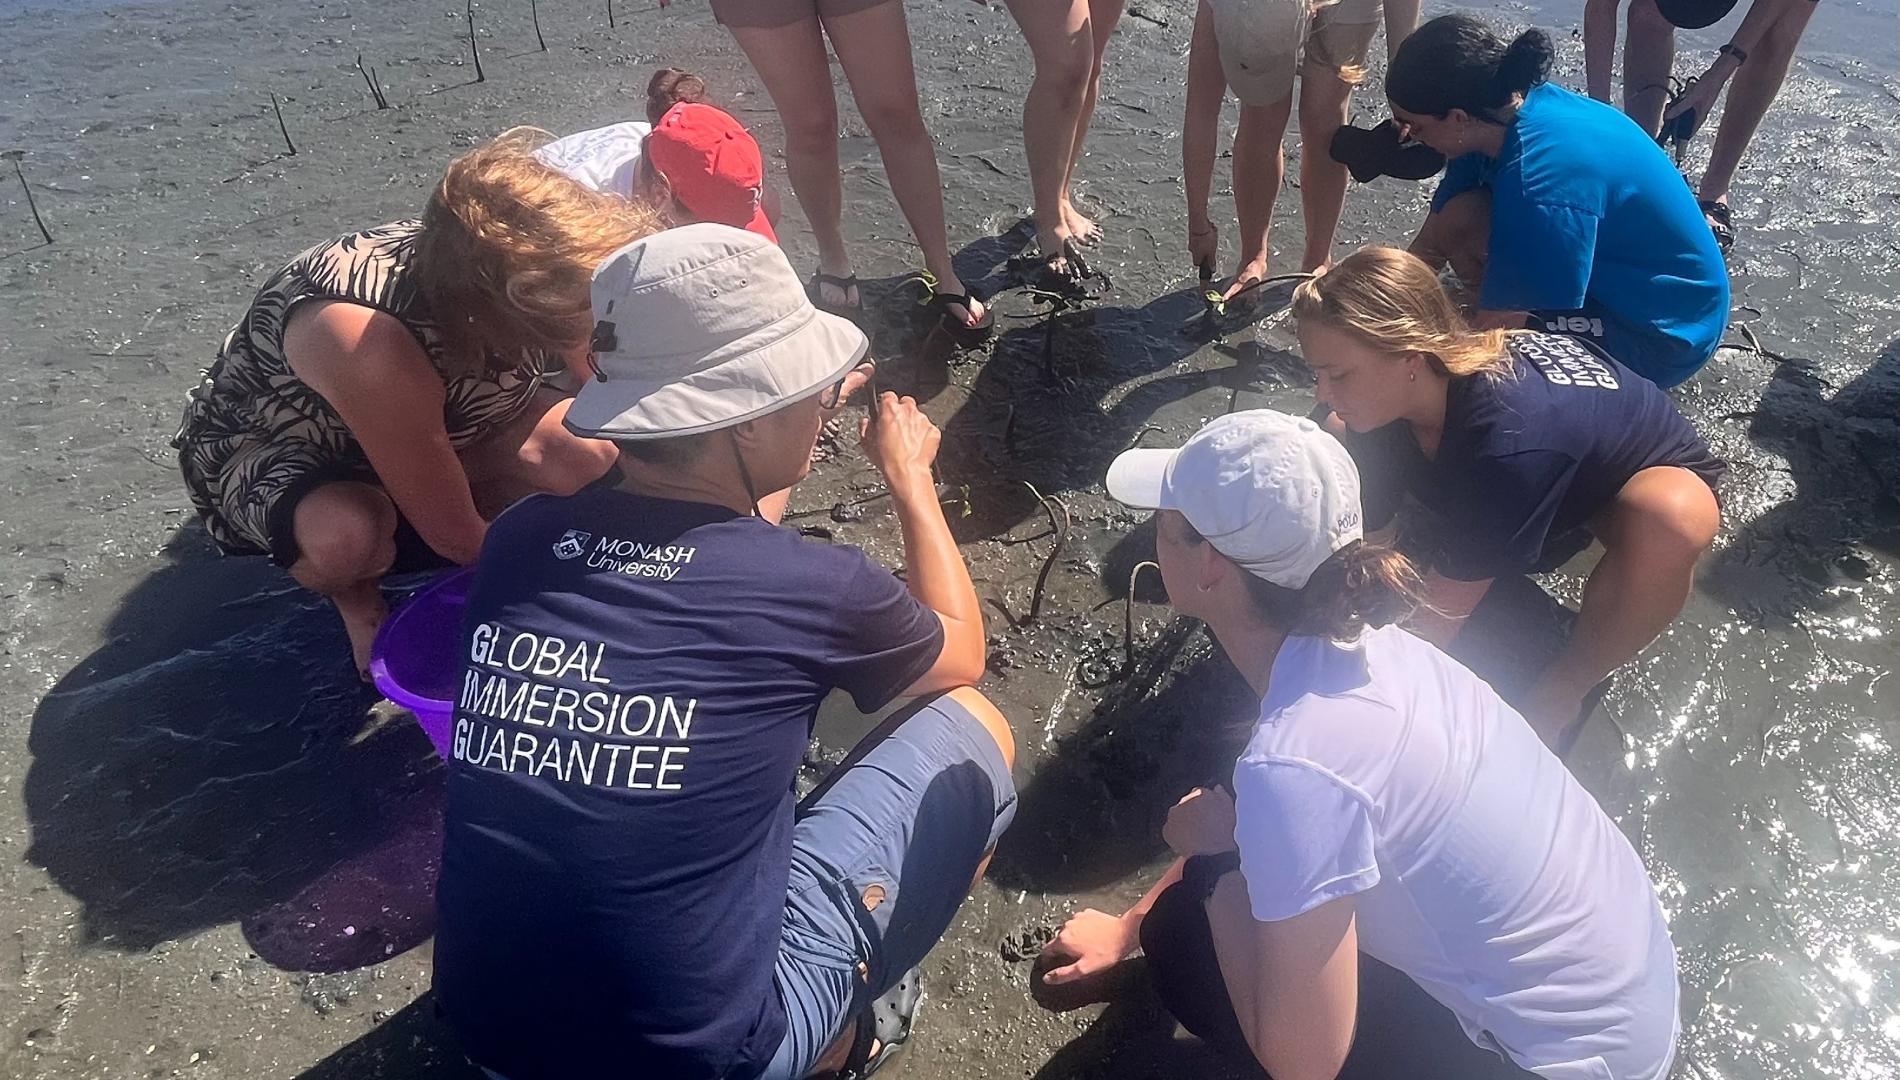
[[884, 639], [1540, 258], [1502, 513], [1385, 458]]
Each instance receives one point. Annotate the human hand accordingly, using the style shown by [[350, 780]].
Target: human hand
[[1203, 244], [1202, 823], [1702, 96], [1088, 944], [902, 442]]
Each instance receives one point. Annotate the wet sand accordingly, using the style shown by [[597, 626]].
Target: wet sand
[[218, 849]]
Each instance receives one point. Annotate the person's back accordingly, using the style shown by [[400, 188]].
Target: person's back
[[1655, 269], [637, 699], [1501, 887], [628, 883]]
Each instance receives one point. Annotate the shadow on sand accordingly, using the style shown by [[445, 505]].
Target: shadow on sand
[[1843, 452], [216, 760]]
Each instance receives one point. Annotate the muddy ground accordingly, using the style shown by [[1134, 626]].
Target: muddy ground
[[217, 849]]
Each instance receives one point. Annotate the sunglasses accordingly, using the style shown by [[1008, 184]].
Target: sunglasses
[[833, 396]]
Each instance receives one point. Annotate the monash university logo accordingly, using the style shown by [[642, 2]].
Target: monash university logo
[[572, 544]]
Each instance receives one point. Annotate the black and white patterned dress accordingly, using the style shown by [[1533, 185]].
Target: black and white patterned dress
[[254, 432]]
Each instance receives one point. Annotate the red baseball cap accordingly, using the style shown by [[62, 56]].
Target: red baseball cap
[[713, 165]]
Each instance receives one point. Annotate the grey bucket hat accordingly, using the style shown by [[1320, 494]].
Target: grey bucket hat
[[700, 328]]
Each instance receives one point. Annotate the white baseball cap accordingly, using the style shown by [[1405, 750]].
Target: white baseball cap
[[1260, 42], [1275, 493], [700, 328]]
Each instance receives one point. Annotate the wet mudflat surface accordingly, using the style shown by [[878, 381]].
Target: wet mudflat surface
[[216, 850]]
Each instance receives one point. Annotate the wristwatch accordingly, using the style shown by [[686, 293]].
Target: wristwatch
[[1740, 55], [1203, 872]]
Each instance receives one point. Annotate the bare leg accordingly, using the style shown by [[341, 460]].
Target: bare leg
[[873, 47], [1063, 46], [1259, 170], [1751, 91], [1458, 236], [534, 453], [1200, 135], [346, 542], [1103, 15], [1660, 524], [1647, 58], [1401, 18], [792, 63], [1599, 46], [1324, 97]]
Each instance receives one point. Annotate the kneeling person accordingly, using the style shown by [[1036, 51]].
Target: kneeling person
[[628, 881]]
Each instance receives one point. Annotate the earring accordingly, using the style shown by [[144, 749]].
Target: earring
[[1414, 376]]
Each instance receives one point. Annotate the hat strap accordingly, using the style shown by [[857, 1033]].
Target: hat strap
[[745, 474]]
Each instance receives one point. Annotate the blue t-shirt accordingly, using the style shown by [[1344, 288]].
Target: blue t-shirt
[[1588, 214], [1525, 460], [642, 676]]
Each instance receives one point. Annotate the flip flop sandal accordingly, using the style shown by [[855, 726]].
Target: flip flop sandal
[[887, 1023], [941, 302], [965, 334], [815, 289], [1720, 222]]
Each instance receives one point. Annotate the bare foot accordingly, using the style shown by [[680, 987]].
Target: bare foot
[[1052, 242], [832, 295], [948, 282], [1081, 228], [1245, 281]]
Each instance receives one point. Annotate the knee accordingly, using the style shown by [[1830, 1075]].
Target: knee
[[345, 534], [1673, 517], [990, 717], [816, 127], [895, 119], [1068, 73]]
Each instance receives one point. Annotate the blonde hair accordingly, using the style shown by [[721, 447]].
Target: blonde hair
[[508, 249], [1392, 302]]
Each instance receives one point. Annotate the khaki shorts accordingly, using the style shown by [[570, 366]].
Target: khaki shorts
[[1340, 37]]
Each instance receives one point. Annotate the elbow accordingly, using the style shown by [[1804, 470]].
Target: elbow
[[966, 665]]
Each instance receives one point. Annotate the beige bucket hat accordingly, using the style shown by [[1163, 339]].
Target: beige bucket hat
[[700, 328]]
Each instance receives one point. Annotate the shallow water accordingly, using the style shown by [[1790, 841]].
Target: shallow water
[[223, 851]]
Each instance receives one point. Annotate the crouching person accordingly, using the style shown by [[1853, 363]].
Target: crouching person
[[1397, 854], [629, 885]]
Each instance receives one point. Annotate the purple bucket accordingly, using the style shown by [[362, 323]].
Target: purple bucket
[[417, 658]]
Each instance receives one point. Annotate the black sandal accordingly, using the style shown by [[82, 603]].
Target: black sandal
[[965, 334], [1720, 223], [815, 289], [943, 302], [887, 1023]]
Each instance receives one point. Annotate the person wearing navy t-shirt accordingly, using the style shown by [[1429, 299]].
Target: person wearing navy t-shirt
[[629, 885], [1557, 210], [1520, 448]]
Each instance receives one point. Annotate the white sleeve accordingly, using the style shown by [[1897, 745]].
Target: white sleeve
[[1305, 837]]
